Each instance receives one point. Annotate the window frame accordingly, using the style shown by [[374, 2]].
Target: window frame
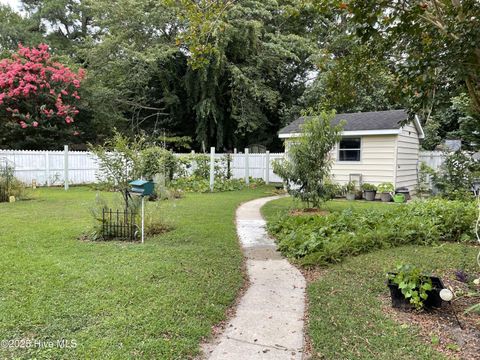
[[359, 150]]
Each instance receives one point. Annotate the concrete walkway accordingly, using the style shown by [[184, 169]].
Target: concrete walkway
[[269, 319]]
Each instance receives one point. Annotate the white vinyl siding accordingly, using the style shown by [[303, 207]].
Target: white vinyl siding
[[376, 162], [408, 147]]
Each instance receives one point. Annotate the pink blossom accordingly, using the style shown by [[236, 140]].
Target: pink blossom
[[29, 75]]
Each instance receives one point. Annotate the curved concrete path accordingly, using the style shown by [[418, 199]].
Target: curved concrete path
[[269, 319]]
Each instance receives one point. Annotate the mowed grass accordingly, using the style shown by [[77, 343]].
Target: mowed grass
[[117, 300], [346, 320]]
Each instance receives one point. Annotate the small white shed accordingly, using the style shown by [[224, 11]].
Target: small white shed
[[374, 146]]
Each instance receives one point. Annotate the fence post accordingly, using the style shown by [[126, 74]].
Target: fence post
[[212, 168], [247, 172], [267, 167], [47, 168], [65, 166]]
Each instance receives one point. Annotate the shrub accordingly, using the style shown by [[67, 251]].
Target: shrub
[[368, 187], [385, 188], [328, 239], [119, 163], [154, 224], [306, 167], [196, 184], [350, 187], [10, 185], [157, 160], [455, 177]]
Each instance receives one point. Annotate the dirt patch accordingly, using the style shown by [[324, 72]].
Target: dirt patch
[[308, 211], [439, 328]]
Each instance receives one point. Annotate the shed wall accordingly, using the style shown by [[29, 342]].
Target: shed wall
[[377, 163], [408, 148]]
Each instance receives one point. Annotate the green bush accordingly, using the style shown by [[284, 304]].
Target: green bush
[[157, 160], [326, 239], [455, 177], [385, 187], [200, 185], [368, 187], [10, 185]]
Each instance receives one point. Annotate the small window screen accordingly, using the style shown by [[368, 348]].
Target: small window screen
[[349, 149]]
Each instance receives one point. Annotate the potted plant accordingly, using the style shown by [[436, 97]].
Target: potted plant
[[385, 190], [410, 287], [351, 190], [369, 191]]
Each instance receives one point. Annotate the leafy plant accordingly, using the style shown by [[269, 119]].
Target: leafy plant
[[307, 165], [350, 187], [455, 177], [413, 284], [157, 160], [10, 185], [315, 240], [368, 187], [385, 187], [196, 184], [119, 163]]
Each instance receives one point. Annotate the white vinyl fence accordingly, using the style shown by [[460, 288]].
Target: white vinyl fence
[[47, 168], [433, 159], [51, 168]]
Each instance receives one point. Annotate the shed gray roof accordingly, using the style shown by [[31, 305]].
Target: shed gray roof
[[374, 120]]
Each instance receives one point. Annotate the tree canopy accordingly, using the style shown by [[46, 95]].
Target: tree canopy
[[231, 73]]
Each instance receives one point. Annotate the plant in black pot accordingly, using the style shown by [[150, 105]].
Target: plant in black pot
[[409, 286], [385, 190], [351, 191], [369, 191]]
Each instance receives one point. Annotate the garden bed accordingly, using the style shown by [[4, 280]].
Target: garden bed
[[349, 305], [439, 327], [350, 314]]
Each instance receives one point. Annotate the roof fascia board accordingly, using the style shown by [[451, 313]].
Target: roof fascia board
[[352, 133]]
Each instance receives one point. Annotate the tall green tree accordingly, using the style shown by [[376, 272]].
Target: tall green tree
[[433, 46], [306, 168]]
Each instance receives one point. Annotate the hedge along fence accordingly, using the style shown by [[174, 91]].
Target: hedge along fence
[[51, 168]]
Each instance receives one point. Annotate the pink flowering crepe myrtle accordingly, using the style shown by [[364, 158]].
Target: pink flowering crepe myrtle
[[36, 91]]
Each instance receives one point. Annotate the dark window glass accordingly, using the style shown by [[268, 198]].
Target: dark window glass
[[349, 149], [350, 143]]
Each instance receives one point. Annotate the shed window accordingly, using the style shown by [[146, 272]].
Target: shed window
[[349, 149]]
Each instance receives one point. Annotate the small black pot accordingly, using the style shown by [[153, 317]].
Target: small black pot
[[433, 300]]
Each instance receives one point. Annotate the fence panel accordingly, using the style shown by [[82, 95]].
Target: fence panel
[[434, 159], [47, 167]]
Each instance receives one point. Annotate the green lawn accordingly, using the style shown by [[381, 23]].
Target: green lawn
[[345, 316], [117, 300]]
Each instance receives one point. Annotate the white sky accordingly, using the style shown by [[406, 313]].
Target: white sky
[[15, 4]]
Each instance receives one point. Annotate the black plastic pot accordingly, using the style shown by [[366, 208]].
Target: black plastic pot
[[369, 195], [433, 300]]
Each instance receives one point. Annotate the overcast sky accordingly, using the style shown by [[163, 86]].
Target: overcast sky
[[15, 4]]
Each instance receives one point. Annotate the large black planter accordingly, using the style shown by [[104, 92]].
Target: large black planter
[[433, 300]]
